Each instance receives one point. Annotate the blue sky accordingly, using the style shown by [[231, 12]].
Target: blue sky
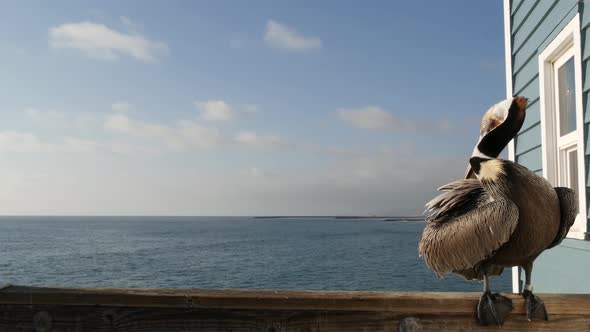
[[241, 108]]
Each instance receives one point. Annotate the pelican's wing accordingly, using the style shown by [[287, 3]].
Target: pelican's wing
[[568, 204], [457, 198], [465, 228]]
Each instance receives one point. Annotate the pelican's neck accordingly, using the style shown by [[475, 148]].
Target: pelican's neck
[[492, 144]]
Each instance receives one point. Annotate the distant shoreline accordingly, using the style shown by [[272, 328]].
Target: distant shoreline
[[384, 218]]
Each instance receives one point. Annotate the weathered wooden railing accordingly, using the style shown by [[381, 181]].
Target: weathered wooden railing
[[71, 309]]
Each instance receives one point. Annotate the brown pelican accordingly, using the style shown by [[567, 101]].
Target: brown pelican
[[505, 217]]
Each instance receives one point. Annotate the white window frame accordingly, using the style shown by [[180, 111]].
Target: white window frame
[[511, 145], [566, 43]]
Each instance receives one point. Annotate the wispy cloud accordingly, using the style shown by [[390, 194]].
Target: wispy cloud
[[129, 24], [122, 106], [44, 115], [377, 118], [259, 172], [59, 120], [216, 110], [101, 42], [27, 142], [220, 110], [256, 141], [372, 117], [186, 134], [280, 36]]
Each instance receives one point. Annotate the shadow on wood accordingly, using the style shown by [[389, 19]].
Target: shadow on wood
[[45, 309]]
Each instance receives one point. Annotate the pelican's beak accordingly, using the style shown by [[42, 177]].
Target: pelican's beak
[[494, 117]]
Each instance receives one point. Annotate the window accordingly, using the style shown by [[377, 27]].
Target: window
[[565, 108], [562, 116]]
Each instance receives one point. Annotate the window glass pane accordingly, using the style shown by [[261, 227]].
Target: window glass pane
[[567, 97], [572, 156]]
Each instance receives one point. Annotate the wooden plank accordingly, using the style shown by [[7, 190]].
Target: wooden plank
[[562, 22], [528, 139], [536, 19], [141, 310], [585, 101], [585, 14], [547, 19], [585, 36], [531, 159], [525, 76], [530, 90], [515, 5], [533, 115], [526, 48], [520, 16], [586, 72], [401, 302], [141, 320]]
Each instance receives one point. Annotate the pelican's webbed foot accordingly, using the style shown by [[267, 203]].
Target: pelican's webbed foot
[[493, 308], [535, 307]]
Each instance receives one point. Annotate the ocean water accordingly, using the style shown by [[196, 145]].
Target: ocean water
[[220, 252]]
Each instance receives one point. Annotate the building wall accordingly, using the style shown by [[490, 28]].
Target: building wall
[[534, 24]]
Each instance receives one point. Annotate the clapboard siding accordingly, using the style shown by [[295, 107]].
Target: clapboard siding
[[525, 56], [536, 36], [534, 24], [533, 114], [585, 41], [531, 159], [585, 14], [558, 16], [585, 72], [561, 18], [515, 6], [528, 139], [531, 22], [530, 89], [522, 13], [525, 77]]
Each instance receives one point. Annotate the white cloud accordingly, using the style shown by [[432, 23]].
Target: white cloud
[[59, 121], [372, 117], [27, 142], [122, 106], [101, 42], [376, 118], [260, 173], [216, 110], [129, 24], [281, 36], [253, 140], [44, 115], [251, 109], [200, 136], [185, 134], [219, 110]]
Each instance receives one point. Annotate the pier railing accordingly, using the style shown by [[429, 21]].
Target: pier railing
[[44, 309]]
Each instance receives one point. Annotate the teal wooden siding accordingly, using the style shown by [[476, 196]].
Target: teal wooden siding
[[563, 269], [534, 24]]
